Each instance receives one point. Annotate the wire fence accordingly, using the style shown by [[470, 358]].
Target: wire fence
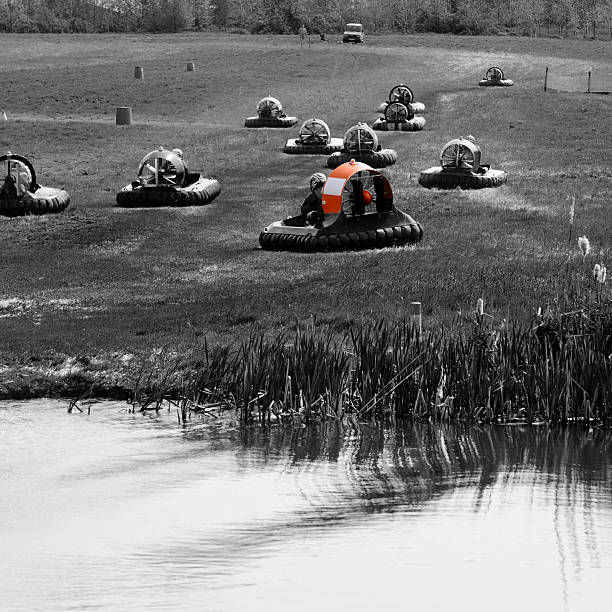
[[589, 79]]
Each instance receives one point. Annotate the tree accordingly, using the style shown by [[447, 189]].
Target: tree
[[201, 13], [221, 10], [176, 15]]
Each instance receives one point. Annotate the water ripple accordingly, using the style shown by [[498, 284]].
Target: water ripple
[[120, 511]]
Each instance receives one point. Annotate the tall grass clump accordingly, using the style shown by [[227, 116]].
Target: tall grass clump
[[303, 377]]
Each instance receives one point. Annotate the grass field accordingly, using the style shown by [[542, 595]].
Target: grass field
[[99, 282]]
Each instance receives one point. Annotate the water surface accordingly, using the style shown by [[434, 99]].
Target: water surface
[[115, 511]]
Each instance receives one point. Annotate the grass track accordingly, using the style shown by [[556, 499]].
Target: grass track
[[97, 278]]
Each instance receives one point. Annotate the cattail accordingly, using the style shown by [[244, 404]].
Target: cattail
[[480, 307], [596, 269], [601, 275], [572, 209], [584, 245]]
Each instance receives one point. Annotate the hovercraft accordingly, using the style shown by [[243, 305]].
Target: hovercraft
[[357, 213], [403, 94], [494, 77], [21, 195], [460, 167], [399, 118], [361, 144], [314, 137], [163, 180], [270, 115]]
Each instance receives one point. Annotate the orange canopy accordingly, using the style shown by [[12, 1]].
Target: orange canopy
[[334, 185]]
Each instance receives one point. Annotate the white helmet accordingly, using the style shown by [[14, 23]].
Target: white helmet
[[317, 180]]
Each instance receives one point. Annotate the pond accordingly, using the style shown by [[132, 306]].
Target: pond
[[116, 511]]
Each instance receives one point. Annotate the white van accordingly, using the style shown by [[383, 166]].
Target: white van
[[353, 32]]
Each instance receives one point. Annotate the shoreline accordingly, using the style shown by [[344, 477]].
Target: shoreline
[[555, 372]]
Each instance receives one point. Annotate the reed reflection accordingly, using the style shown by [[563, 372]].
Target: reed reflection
[[410, 464], [440, 451]]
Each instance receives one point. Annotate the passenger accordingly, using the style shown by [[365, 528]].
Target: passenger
[[483, 168], [312, 207], [24, 181], [179, 154]]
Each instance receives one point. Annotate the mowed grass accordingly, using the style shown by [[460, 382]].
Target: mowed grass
[[97, 278]]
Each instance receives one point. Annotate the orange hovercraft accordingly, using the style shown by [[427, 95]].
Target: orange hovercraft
[[357, 212]]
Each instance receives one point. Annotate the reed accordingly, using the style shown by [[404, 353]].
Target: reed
[[557, 370]]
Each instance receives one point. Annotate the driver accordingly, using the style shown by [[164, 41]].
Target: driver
[[12, 188], [8, 189], [312, 207]]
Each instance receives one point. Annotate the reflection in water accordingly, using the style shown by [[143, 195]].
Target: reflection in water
[[414, 462], [121, 511]]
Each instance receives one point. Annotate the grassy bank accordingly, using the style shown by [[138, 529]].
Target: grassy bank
[[103, 287]]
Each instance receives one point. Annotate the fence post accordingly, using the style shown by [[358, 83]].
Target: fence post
[[415, 316], [546, 79], [589, 83]]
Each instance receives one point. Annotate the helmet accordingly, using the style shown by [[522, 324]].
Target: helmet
[[317, 180], [178, 152]]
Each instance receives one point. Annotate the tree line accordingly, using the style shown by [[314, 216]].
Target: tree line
[[526, 17]]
